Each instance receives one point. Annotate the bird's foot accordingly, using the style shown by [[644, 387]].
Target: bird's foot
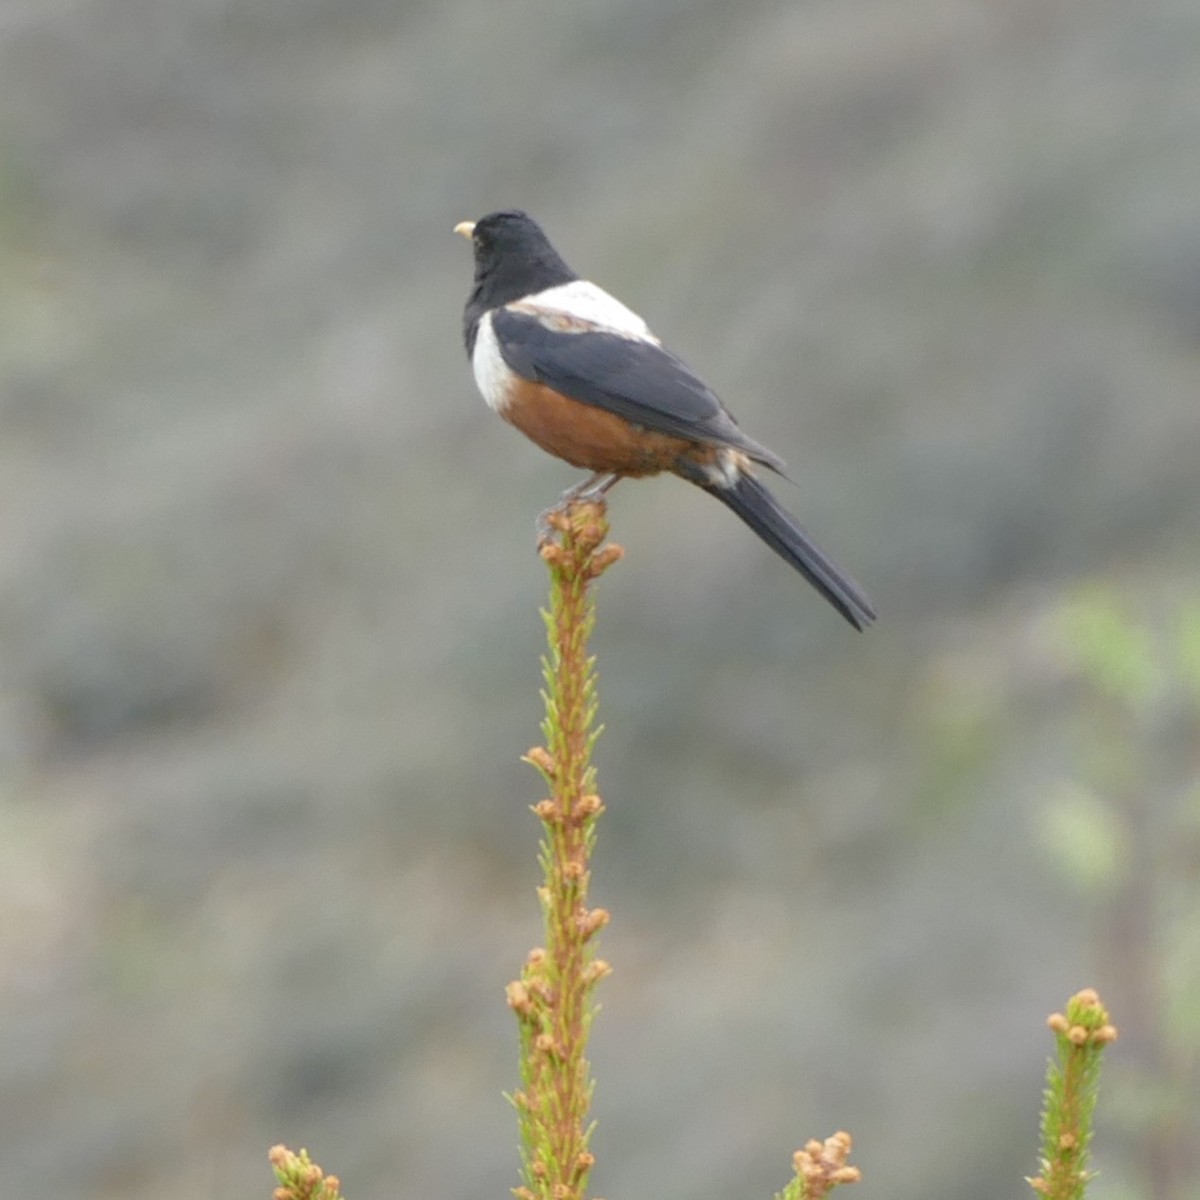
[[551, 521]]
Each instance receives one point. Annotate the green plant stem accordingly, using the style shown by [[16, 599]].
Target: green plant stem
[[1072, 1082], [553, 997]]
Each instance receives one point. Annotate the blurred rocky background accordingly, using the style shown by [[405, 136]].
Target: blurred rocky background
[[269, 602]]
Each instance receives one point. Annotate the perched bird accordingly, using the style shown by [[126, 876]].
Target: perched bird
[[582, 376]]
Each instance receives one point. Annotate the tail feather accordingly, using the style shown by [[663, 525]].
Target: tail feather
[[751, 501]]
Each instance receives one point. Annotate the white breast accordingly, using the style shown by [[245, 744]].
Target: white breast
[[492, 376], [586, 302]]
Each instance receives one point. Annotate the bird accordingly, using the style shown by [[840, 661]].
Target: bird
[[583, 377]]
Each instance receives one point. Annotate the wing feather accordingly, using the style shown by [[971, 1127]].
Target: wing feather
[[634, 377]]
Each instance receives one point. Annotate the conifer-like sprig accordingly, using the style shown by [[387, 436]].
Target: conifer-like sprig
[[553, 997], [300, 1178], [1072, 1082], [820, 1167]]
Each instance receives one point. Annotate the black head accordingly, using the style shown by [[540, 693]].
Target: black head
[[513, 258], [505, 237]]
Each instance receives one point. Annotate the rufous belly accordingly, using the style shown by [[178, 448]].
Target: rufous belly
[[592, 438]]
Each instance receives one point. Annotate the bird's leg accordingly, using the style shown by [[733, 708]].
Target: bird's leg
[[594, 487]]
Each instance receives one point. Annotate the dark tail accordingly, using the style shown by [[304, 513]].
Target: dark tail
[[761, 511]]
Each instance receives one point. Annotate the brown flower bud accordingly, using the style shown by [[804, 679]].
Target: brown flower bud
[[604, 558], [839, 1145], [542, 759], [595, 971], [547, 810], [517, 995], [592, 922]]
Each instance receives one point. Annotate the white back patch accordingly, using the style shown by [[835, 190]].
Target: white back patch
[[492, 375], [583, 301]]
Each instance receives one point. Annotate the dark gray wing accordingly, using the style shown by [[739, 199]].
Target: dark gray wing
[[635, 379]]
